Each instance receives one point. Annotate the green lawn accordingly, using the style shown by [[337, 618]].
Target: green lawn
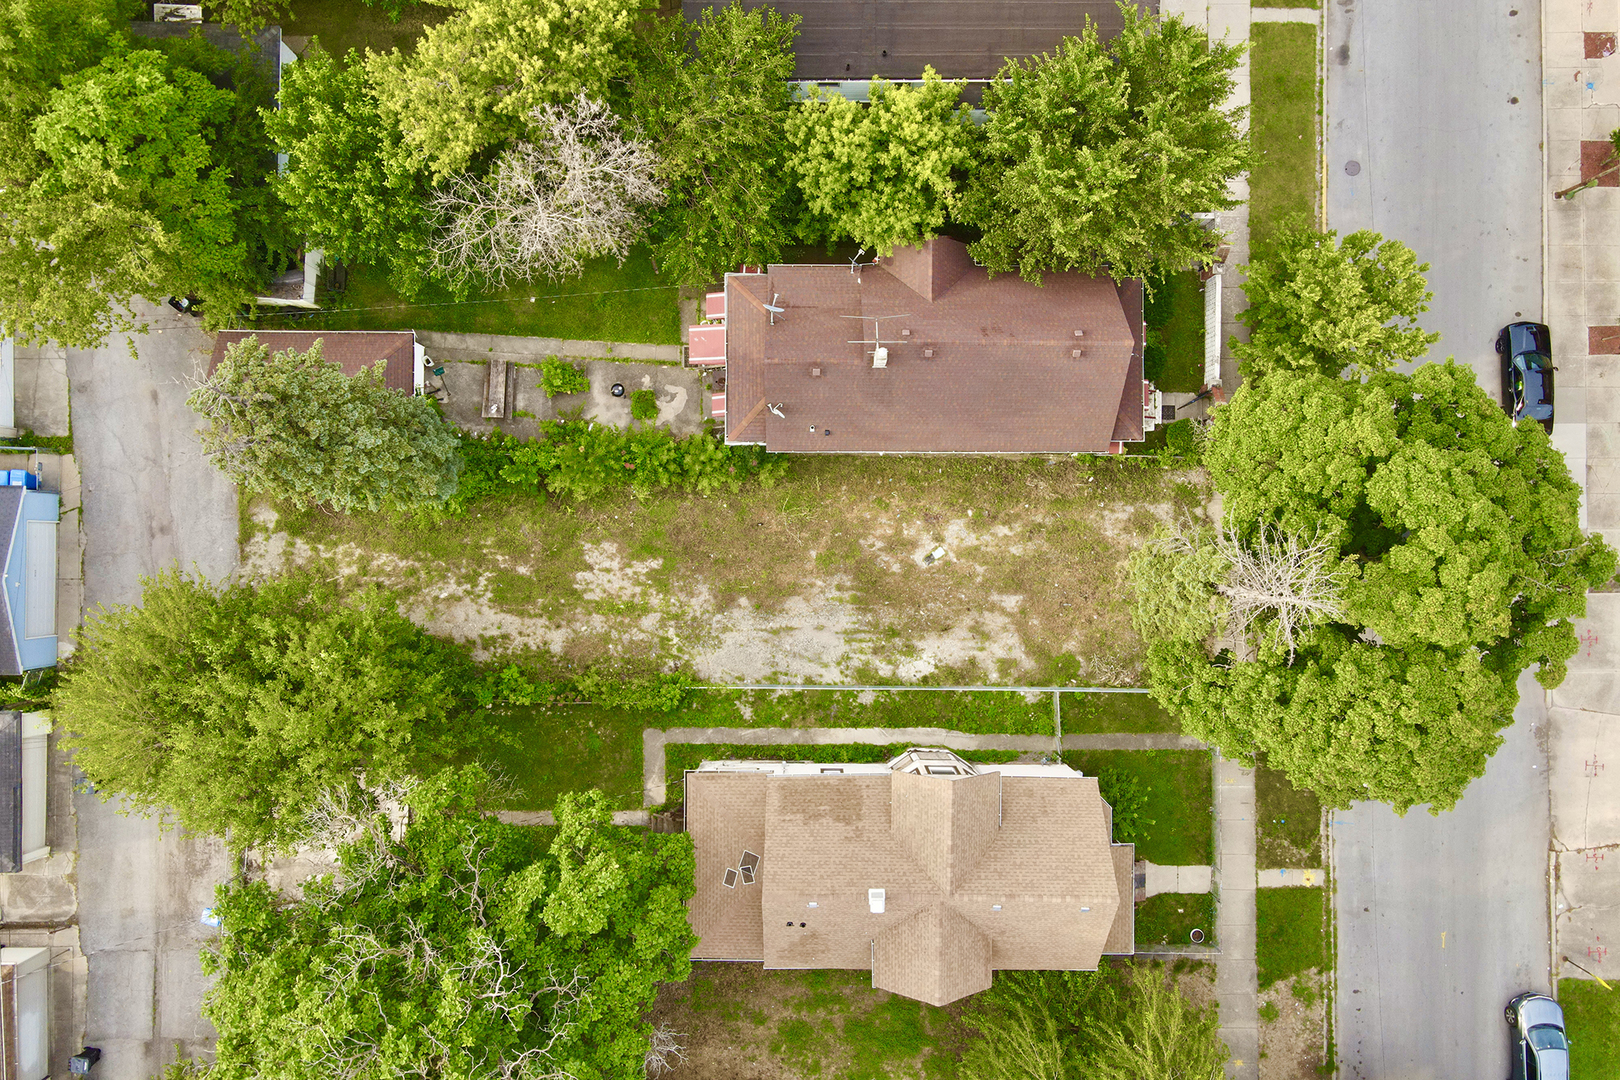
[[738, 1020], [1283, 77], [608, 302], [1174, 360], [1290, 928], [982, 711], [552, 749], [1103, 714], [1288, 829], [1170, 918], [1592, 1017], [342, 25], [1177, 824]]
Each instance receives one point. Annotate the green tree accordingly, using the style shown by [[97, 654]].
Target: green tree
[[1319, 306], [715, 99], [1038, 1025], [474, 78], [350, 185], [132, 199], [466, 949], [1463, 565], [295, 427], [1097, 153], [1164, 1037], [234, 707], [883, 174], [41, 43]]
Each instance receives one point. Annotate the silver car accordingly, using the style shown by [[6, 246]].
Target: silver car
[[1540, 1048]]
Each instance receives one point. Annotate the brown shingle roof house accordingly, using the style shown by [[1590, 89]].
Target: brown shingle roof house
[[925, 352], [351, 350], [928, 871]]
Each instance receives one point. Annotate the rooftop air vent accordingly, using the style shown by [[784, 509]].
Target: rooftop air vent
[[874, 900], [880, 357]]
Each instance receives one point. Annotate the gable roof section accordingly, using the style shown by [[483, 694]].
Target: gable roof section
[[352, 350], [975, 364], [936, 956]]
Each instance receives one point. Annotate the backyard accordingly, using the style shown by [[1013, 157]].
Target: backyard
[[820, 578]]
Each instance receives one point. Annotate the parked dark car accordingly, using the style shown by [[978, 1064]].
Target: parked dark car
[[1540, 1047], [1527, 372]]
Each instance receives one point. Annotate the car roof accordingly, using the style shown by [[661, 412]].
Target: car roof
[[1540, 1010]]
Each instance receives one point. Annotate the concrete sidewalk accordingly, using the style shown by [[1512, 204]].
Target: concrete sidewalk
[[1584, 759], [1237, 974]]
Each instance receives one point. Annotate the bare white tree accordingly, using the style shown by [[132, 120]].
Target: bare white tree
[[575, 192], [664, 1046], [1297, 583]]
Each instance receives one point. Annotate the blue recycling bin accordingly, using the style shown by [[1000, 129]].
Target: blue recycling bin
[[21, 478]]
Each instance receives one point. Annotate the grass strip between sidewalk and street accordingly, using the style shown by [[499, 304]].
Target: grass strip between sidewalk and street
[[1289, 925], [1283, 131], [1592, 1020], [1288, 823]]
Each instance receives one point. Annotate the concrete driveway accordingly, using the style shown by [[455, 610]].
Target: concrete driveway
[[1442, 919], [1434, 139], [151, 501]]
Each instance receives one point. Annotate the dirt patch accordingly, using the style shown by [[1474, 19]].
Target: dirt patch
[[999, 571], [1293, 1015]]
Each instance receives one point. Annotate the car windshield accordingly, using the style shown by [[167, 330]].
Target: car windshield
[[1536, 387], [1537, 361], [1547, 1037]]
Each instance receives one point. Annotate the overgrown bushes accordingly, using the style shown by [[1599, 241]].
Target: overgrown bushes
[[584, 459], [558, 376]]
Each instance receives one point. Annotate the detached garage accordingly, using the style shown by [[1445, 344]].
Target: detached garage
[[28, 523]]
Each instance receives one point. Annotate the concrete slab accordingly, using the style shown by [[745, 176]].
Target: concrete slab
[[41, 385], [1175, 879], [122, 985]]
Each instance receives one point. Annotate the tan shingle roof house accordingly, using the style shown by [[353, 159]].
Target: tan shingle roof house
[[929, 871], [925, 352]]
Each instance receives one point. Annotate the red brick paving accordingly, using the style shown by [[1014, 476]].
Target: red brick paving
[[1599, 45], [1603, 340], [1597, 155]]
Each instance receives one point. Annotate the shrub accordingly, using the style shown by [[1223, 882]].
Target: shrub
[[658, 693], [644, 405], [558, 376]]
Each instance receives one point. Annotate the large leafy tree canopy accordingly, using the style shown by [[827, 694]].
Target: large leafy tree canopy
[[234, 707], [1096, 153], [473, 78], [1319, 306], [882, 174], [715, 99], [1462, 560], [467, 949], [350, 185], [128, 171], [295, 427]]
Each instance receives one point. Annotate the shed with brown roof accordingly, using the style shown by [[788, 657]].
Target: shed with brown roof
[[352, 350], [925, 352], [930, 872]]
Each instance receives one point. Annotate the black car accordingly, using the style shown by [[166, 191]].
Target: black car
[[1527, 372], [1540, 1047]]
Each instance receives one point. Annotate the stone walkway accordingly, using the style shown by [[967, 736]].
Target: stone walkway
[[1236, 974]]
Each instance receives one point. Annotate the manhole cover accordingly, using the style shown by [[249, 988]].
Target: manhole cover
[[1352, 168]]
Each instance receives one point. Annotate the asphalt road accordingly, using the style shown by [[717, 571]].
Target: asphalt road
[[1442, 919], [1437, 103], [151, 501]]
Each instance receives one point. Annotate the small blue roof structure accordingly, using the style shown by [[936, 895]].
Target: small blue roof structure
[[28, 522]]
